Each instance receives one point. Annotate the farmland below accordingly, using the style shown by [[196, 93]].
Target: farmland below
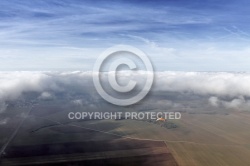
[[47, 136]]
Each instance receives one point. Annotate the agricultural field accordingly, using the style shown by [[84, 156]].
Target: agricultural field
[[46, 139], [200, 139], [48, 136]]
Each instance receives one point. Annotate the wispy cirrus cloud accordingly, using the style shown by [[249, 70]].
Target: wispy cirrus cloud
[[170, 28]]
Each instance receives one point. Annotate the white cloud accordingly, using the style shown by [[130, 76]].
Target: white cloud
[[78, 102], [46, 96], [214, 101], [230, 90], [4, 121], [234, 103], [204, 83]]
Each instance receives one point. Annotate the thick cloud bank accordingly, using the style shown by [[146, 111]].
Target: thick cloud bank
[[230, 90], [205, 83]]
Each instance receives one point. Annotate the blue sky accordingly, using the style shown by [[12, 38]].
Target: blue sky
[[177, 35]]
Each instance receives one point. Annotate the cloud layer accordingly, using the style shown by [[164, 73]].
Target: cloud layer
[[205, 83], [228, 90]]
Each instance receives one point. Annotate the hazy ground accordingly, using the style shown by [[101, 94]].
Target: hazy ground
[[213, 129]]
